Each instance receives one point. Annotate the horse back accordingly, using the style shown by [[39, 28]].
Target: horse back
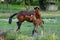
[[23, 13]]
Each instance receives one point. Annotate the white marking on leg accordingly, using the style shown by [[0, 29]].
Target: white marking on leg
[[35, 35], [42, 33]]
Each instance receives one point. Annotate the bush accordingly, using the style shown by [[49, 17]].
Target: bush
[[59, 7]]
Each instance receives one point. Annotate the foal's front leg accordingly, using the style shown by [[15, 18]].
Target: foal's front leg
[[34, 32]]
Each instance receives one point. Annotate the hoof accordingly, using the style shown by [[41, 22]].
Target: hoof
[[35, 35], [18, 31]]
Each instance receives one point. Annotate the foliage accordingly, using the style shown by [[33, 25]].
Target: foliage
[[41, 3], [59, 7]]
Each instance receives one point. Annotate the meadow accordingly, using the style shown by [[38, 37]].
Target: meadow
[[52, 30], [51, 26]]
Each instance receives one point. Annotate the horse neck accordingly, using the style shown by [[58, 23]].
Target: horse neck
[[38, 12]]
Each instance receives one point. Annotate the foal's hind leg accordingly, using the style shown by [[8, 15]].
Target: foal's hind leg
[[42, 31], [19, 25]]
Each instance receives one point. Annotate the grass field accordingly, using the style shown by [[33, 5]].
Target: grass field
[[52, 30], [51, 26], [12, 8]]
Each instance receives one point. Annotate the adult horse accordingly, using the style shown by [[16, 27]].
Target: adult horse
[[30, 16]]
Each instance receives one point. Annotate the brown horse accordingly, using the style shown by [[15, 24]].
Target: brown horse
[[30, 16]]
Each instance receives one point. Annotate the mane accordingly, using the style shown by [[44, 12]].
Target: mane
[[37, 12]]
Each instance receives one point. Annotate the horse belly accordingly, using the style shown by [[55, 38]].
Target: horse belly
[[28, 18], [20, 18]]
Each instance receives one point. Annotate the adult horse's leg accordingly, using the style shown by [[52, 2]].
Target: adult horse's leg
[[19, 25]]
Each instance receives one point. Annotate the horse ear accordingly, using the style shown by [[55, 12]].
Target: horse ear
[[36, 8]]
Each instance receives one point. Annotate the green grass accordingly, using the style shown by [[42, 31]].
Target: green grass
[[12, 8], [52, 30]]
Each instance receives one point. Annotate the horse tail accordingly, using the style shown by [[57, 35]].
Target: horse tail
[[10, 18]]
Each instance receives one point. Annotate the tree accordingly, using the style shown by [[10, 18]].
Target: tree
[[31, 1], [42, 4]]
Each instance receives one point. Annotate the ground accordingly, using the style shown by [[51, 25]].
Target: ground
[[51, 26]]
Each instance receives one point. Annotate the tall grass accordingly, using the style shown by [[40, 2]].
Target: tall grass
[[12, 8], [26, 37], [52, 31]]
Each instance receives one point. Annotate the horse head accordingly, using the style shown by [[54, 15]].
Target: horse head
[[37, 12]]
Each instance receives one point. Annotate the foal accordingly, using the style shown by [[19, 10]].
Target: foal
[[30, 16]]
